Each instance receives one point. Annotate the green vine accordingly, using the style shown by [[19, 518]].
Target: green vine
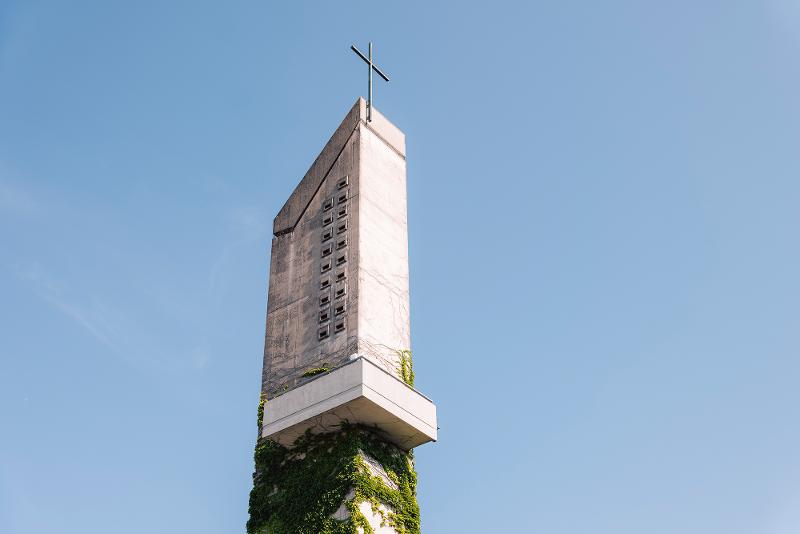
[[406, 370], [316, 371], [298, 490], [261, 402]]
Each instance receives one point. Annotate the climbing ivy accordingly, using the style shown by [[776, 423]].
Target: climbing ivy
[[406, 370], [316, 371], [261, 402], [297, 490]]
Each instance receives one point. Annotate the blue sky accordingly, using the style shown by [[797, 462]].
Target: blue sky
[[604, 201]]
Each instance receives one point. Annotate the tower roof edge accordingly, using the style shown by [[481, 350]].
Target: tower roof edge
[[298, 201]]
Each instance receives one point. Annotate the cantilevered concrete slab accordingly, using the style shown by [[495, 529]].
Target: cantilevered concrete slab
[[358, 392]]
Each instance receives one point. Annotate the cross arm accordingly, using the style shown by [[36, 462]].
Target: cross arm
[[366, 59]]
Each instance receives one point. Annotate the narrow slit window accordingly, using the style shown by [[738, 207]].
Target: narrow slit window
[[342, 198], [340, 309], [324, 315], [327, 218], [341, 290], [342, 227], [342, 211], [342, 259], [341, 243], [339, 326], [325, 299], [341, 184], [325, 283], [327, 234], [328, 204], [327, 250], [325, 267], [341, 275], [324, 332]]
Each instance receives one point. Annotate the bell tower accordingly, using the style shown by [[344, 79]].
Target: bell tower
[[338, 369]]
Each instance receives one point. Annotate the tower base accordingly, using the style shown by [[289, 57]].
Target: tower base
[[349, 481]]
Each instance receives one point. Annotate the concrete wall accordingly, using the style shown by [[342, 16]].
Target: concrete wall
[[383, 319]]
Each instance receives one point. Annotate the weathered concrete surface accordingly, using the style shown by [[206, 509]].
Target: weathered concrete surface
[[292, 344], [297, 203], [383, 318], [339, 271]]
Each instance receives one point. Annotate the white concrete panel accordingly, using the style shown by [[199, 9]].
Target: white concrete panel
[[359, 392], [383, 320]]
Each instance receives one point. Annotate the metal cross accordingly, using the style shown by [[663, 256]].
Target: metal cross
[[370, 68]]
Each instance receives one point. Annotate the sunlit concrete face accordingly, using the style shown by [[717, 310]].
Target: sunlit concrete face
[[339, 280], [358, 392]]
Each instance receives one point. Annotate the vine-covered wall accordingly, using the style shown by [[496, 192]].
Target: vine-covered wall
[[302, 490]]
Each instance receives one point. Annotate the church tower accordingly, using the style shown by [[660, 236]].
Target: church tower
[[339, 414]]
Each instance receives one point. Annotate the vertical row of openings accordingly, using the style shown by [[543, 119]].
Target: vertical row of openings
[[333, 290]]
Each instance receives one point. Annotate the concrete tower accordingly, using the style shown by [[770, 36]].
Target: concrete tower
[[339, 414]]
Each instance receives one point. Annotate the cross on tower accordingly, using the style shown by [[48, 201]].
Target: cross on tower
[[370, 68]]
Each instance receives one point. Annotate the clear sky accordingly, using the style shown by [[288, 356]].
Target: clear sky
[[604, 201]]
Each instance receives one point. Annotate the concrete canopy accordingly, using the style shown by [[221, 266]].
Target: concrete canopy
[[358, 392]]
